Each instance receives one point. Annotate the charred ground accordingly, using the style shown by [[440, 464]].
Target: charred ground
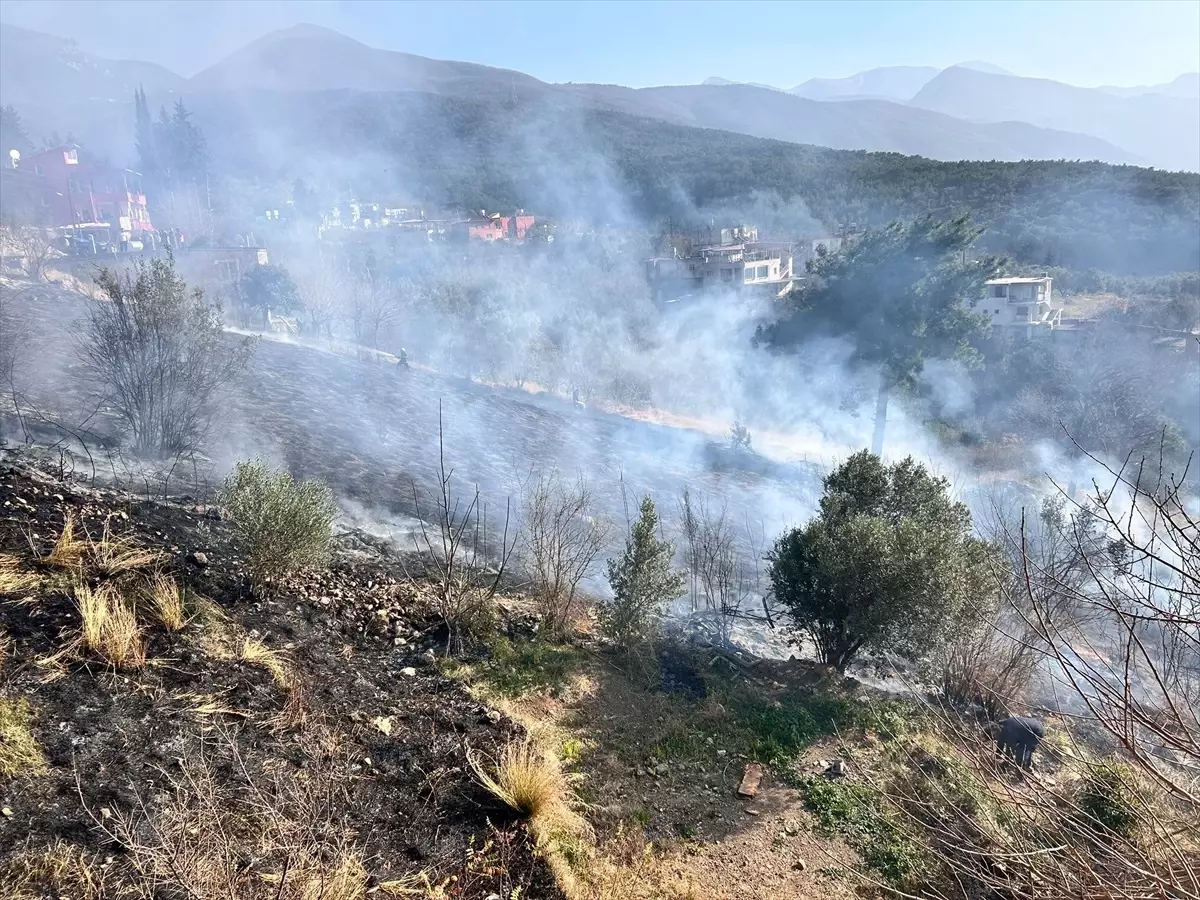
[[369, 739]]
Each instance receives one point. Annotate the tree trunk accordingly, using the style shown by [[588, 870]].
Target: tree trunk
[[881, 405]]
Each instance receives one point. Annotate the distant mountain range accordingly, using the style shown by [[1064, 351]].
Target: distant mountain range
[[972, 111]]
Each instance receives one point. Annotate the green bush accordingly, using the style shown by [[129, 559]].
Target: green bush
[[1107, 797], [285, 526], [857, 813]]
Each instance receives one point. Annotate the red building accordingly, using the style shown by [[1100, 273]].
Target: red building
[[493, 228], [66, 188]]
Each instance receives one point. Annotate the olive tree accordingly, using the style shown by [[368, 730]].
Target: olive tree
[[889, 564]]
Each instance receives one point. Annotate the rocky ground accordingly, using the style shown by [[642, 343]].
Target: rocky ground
[[355, 754]]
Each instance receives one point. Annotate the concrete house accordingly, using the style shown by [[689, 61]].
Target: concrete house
[[1024, 304]]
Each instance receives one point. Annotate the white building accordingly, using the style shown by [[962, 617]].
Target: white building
[[1022, 303], [760, 268]]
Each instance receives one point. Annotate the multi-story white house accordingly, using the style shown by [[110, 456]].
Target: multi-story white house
[[761, 268], [1025, 304]]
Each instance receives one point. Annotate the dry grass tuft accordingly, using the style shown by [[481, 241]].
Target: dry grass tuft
[[94, 605], [69, 551], [13, 579], [116, 554], [256, 653], [166, 599], [20, 752], [109, 626], [60, 870], [532, 782]]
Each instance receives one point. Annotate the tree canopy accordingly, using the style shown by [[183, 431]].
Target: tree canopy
[[904, 293], [888, 565], [269, 287]]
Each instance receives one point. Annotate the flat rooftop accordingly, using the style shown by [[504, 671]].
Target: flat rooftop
[[1019, 280]]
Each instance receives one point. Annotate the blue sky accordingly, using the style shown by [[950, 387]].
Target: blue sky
[[1084, 42]]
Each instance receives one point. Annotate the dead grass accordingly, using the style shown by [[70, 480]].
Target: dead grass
[[68, 551], [110, 555], [20, 752], [531, 781], [166, 600], [14, 579], [94, 605], [61, 870], [254, 652], [109, 626], [116, 554]]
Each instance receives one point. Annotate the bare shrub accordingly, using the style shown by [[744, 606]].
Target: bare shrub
[[985, 665], [456, 556], [285, 526], [562, 538], [33, 245], [158, 356], [717, 570], [15, 336], [263, 835], [1099, 830]]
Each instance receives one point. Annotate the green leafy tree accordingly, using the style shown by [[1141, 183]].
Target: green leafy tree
[[643, 582], [888, 564], [903, 294], [269, 287]]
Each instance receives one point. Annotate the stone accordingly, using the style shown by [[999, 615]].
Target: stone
[[198, 558], [6, 812], [751, 779], [751, 811], [409, 671], [799, 865], [836, 769]]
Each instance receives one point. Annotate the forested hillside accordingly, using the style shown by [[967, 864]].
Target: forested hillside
[[605, 166]]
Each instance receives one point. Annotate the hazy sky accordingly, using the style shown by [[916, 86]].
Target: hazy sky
[[1084, 42]]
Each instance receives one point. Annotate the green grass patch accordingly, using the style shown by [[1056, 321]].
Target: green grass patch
[[857, 813], [520, 668], [780, 732], [20, 752]]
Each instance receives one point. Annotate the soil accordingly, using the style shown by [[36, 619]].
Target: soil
[[357, 638]]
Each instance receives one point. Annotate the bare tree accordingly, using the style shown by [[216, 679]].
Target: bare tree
[[323, 290], [375, 304], [158, 355], [562, 539], [33, 245], [1143, 589], [464, 575], [717, 568]]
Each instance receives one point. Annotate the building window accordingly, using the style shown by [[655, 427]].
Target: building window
[[997, 290], [71, 157], [38, 170], [727, 274]]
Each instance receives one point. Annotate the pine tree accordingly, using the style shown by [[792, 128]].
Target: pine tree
[[903, 294], [13, 135], [144, 131], [643, 582]]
